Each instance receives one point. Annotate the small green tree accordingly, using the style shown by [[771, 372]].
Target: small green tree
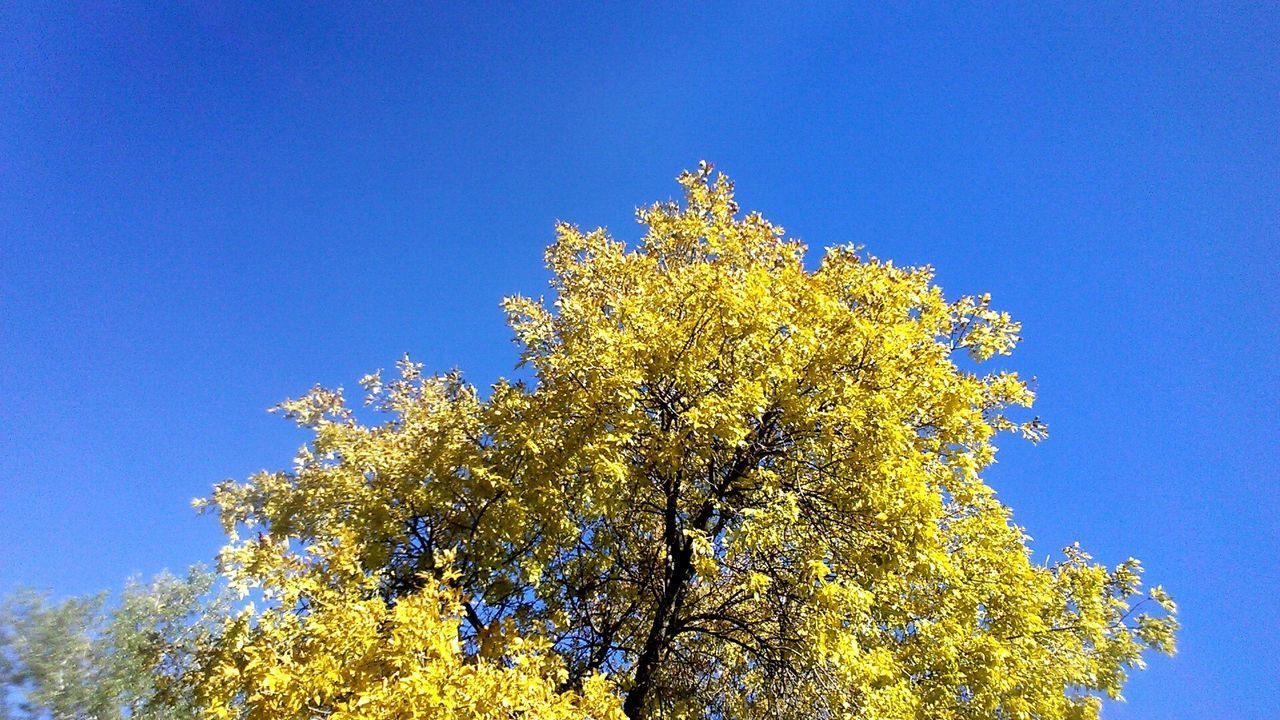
[[85, 658]]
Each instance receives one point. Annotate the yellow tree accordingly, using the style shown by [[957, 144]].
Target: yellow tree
[[735, 487]]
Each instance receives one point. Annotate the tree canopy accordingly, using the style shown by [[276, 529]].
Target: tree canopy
[[733, 486], [87, 658]]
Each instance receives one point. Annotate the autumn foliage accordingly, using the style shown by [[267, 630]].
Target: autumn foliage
[[735, 487]]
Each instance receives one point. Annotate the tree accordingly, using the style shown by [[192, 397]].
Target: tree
[[734, 487], [83, 659]]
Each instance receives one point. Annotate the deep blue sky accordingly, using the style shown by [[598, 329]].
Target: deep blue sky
[[204, 210]]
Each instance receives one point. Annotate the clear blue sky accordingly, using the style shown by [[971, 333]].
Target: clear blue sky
[[206, 209]]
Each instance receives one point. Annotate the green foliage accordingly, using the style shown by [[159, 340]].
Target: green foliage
[[85, 658]]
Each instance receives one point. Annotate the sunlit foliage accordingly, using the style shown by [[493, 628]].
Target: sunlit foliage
[[736, 486]]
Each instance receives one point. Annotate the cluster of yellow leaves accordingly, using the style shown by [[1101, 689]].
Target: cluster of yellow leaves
[[738, 487], [328, 645]]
